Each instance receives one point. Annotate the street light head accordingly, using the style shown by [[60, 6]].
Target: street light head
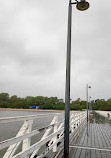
[[82, 5]]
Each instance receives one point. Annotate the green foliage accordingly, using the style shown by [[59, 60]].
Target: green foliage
[[59, 106], [78, 104], [4, 97], [50, 103]]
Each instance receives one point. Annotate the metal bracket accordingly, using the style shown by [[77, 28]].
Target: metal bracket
[[74, 2]]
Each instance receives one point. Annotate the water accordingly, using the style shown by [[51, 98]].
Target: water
[[10, 130]]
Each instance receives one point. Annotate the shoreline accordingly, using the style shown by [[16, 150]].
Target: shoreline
[[42, 110]]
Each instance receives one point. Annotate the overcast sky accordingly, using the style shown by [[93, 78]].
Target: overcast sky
[[33, 38]]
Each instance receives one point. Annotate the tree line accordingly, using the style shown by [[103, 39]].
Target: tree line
[[50, 103]]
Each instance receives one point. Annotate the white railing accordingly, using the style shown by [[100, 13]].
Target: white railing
[[51, 138]]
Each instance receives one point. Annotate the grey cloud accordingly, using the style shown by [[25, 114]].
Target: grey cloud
[[33, 39]]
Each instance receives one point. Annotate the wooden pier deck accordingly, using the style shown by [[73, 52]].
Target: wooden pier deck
[[96, 134], [92, 140]]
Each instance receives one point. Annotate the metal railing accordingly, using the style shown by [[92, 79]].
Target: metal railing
[[53, 134]]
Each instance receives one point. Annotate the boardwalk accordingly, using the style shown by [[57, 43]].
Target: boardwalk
[[92, 140], [21, 145], [97, 134]]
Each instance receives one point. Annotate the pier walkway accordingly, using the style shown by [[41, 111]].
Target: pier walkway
[[92, 140], [97, 136]]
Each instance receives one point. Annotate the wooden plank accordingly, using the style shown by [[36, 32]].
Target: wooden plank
[[74, 136], [99, 135], [105, 140], [107, 133], [78, 139], [77, 152], [90, 147], [103, 154], [83, 151], [97, 140], [88, 152], [93, 152]]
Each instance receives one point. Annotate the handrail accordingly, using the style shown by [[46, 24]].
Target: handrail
[[76, 120], [78, 114], [37, 145], [13, 140], [50, 147], [25, 134]]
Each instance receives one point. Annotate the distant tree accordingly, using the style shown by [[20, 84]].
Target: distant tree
[[4, 97], [50, 103], [13, 99], [61, 100], [109, 99]]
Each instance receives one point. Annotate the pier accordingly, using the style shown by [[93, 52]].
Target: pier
[[95, 141], [90, 140]]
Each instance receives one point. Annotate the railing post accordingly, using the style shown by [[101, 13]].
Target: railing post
[[75, 118], [72, 123], [44, 136], [26, 142], [12, 149], [81, 117], [55, 138], [78, 118]]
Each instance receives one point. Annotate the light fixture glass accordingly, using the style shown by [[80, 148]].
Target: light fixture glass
[[82, 5]]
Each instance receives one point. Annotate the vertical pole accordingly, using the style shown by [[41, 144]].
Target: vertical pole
[[89, 104], [87, 100], [87, 107], [67, 90]]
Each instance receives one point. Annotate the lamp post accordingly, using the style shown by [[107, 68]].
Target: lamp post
[[87, 87], [82, 5], [90, 109]]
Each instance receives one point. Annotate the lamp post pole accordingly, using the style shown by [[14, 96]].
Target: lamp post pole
[[82, 5], [67, 91], [87, 100], [89, 103], [87, 87]]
